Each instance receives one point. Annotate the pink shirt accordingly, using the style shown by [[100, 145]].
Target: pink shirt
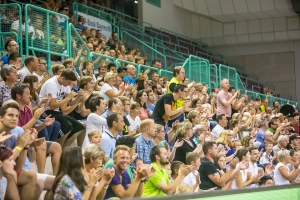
[[222, 109], [25, 116], [143, 114]]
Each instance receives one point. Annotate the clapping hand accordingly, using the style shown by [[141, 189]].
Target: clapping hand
[[108, 175], [184, 170], [95, 175], [49, 121], [4, 137], [178, 144]]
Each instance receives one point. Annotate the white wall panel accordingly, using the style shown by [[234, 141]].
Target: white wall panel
[[267, 5], [254, 26], [217, 29], [205, 27], [293, 23], [267, 25], [280, 24], [229, 29], [281, 35], [189, 5], [213, 7], [268, 37], [230, 40], [241, 27], [294, 35], [241, 39], [226, 7], [196, 26], [201, 7], [255, 38], [253, 6], [240, 6]]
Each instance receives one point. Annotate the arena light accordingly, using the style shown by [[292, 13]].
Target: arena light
[[135, 1]]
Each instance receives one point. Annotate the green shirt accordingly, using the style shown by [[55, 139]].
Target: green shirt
[[110, 163], [150, 187], [271, 130]]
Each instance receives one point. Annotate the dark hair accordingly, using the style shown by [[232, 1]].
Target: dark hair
[[110, 65], [94, 102], [241, 152], [112, 118], [271, 122], [207, 145], [175, 165], [194, 102], [252, 149], [264, 179], [155, 151], [13, 57], [6, 70], [230, 89], [113, 33], [154, 61], [292, 152], [18, 89], [71, 163], [4, 108], [138, 95], [69, 74], [5, 153], [28, 60], [140, 84], [219, 117], [30, 79], [154, 86], [111, 102], [7, 43], [179, 87], [89, 37], [125, 140], [85, 63]]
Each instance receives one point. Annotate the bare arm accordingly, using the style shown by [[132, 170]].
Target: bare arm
[[228, 103], [170, 189], [292, 176], [172, 114], [130, 192]]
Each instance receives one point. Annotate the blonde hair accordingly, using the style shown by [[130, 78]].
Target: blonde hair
[[134, 105], [123, 99], [282, 153], [84, 80], [108, 76], [120, 147], [223, 138], [182, 128], [158, 127], [193, 114], [56, 67], [192, 156], [145, 123], [183, 188], [93, 133], [93, 151]]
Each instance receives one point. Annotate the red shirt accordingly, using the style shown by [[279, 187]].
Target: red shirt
[[25, 116], [296, 127]]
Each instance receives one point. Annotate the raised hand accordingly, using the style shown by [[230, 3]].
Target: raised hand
[[32, 136], [144, 171], [175, 125], [95, 175], [37, 142], [184, 170], [87, 95], [234, 162], [37, 114], [22, 139], [243, 165], [4, 137], [178, 144], [71, 95], [108, 175]]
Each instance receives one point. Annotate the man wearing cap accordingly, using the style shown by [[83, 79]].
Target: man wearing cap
[[65, 11], [294, 142], [122, 72]]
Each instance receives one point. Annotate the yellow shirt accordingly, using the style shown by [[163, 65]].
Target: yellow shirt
[[262, 108], [179, 102], [150, 187]]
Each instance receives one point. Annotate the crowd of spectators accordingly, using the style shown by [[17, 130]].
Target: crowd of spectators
[[120, 134]]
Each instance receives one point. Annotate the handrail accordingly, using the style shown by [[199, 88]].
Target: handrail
[[20, 38], [156, 34], [154, 50], [48, 12], [71, 27], [158, 44], [177, 51]]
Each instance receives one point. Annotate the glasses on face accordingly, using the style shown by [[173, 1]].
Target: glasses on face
[[43, 63], [14, 45]]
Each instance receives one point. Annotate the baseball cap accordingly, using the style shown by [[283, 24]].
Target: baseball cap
[[292, 137]]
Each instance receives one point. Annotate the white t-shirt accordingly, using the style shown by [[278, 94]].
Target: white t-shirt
[[278, 178], [23, 73], [190, 179], [253, 169], [40, 78], [266, 159], [93, 122], [244, 178], [104, 89], [53, 87], [133, 123], [15, 26], [217, 131]]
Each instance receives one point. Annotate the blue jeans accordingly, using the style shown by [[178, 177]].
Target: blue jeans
[[50, 133]]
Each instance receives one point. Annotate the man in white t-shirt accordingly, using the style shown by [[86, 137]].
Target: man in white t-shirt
[[253, 169], [133, 116], [63, 101], [193, 178], [31, 65], [222, 122]]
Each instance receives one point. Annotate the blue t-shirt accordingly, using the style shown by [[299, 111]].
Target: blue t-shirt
[[5, 60], [116, 181], [129, 80], [19, 131]]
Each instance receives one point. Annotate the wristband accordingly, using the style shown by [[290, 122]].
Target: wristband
[[26, 148], [19, 148]]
